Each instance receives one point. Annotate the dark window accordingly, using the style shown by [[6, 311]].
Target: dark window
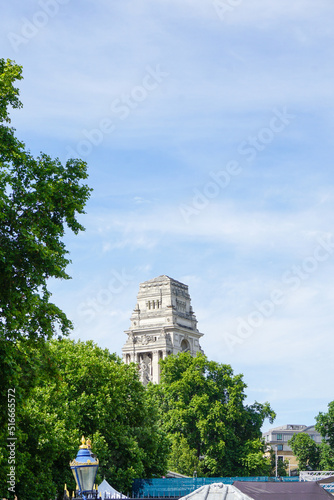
[[279, 437]]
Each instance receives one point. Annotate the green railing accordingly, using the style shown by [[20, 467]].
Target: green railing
[[179, 487]]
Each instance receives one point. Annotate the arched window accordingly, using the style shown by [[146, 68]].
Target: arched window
[[185, 345]]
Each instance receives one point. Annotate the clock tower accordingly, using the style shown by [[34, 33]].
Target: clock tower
[[162, 323]]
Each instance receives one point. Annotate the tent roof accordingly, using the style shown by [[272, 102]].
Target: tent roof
[[105, 487], [170, 473], [325, 480], [217, 491], [283, 491]]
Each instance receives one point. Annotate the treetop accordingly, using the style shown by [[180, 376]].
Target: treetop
[[9, 95]]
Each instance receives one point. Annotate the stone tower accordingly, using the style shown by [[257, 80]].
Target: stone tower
[[162, 323]]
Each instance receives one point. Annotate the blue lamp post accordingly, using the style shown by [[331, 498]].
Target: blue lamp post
[[84, 468]]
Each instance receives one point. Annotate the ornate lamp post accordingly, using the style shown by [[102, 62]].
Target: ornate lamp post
[[84, 468]]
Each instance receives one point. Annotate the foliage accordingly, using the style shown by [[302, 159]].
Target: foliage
[[37, 198], [9, 73], [313, 456], [92, 393], [202, 409], [282, 465], [305, 450], [325, 424], [28, 367], [326, 457], [253, 461], [182, 458]]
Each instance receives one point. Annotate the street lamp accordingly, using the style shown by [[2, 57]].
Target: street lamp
[[84, 468]]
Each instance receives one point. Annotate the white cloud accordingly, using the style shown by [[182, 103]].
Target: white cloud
[[220, 222]]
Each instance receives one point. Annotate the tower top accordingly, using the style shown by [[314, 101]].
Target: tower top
[[163, 278], [163, 301], [162, 323]]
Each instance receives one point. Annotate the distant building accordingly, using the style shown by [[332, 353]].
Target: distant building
[[278, 438], [162, 323]]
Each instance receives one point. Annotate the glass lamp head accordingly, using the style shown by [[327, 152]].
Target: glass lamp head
[[84, 467]]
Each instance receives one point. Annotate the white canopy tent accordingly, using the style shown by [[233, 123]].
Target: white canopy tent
[[107, 491], [217, 491]]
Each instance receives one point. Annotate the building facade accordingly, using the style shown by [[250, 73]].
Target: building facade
[[278, 438], [162, 323]]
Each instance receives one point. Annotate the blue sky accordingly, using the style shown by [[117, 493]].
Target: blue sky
[[207, 127]]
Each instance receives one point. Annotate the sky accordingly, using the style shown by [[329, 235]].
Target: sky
[[207, 129]]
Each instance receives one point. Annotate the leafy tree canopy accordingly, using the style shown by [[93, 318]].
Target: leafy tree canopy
[[203, 411], [306, 451], [9, 72], [89, 392], [38, 198], [315, 456], [326, 457], [325, 424]]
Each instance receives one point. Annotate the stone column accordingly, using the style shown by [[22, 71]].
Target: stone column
[[155, 367]]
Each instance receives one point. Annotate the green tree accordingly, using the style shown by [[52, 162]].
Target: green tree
[[325, 425], [326, 456], [39, 199], [202, 402], [254, 462], [306, 451], [182, 458], [28, 368], [92, 393], [279, 469]]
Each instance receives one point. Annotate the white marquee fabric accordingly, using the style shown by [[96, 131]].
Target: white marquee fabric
[[107, 491], [217, 491]]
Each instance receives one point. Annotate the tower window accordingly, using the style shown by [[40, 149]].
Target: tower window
[[185, 345]]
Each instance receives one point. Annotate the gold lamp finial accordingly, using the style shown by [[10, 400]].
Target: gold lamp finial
[[83, 442]]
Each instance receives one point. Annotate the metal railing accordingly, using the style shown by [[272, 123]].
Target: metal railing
[[179, 487], [318, 475]]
